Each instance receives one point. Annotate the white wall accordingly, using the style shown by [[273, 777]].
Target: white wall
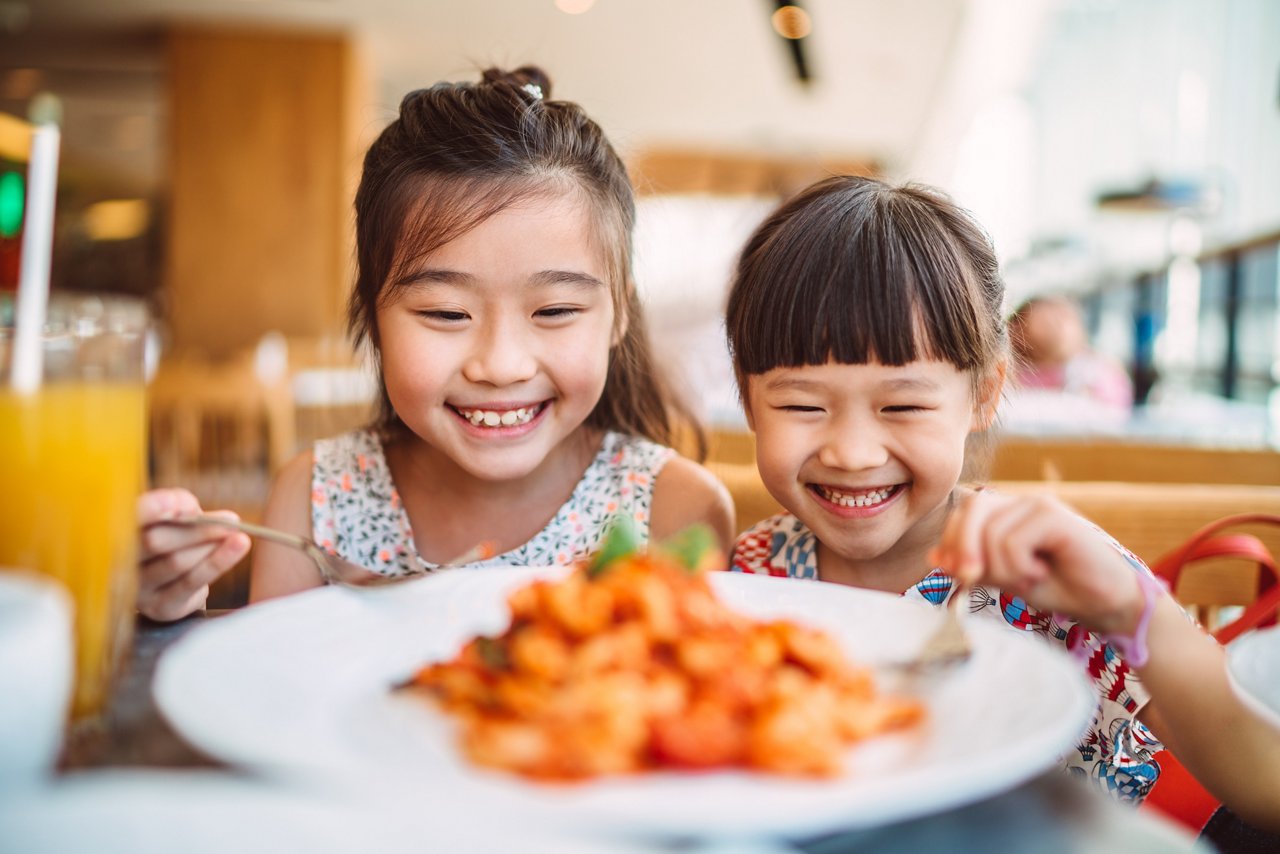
[[1169, 88]]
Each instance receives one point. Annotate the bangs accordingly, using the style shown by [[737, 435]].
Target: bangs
[[439, 210], [855, 279]]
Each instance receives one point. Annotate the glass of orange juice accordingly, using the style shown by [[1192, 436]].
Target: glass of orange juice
[[73, 453]]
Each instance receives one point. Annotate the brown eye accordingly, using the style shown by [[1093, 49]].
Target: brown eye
[[558, 311], [446, 316]]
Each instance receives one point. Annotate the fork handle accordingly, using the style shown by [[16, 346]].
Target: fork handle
[[249, 528]]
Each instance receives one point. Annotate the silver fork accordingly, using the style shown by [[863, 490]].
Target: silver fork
[[947, 646], [333, 569]]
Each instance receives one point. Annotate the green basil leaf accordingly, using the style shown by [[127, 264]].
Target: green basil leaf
[[692, 547], [621, 540]]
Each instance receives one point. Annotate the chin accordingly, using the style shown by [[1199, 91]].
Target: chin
[[499, 473]]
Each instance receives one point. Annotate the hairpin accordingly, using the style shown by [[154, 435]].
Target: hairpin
[[533, 89]]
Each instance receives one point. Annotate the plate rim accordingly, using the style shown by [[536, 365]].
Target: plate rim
[[1239, 654], [1035, 757]]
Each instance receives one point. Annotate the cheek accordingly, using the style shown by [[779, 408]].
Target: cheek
[[583, 360], [942, 450], [413, 370], [779, 452]]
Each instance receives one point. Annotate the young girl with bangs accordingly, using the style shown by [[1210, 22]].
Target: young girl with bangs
[[867, 337], [518, 402]]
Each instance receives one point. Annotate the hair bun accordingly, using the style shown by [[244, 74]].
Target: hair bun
[[530, 76]]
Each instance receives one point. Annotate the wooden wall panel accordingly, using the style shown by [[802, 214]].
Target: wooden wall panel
[[263, 139], [678, 170]]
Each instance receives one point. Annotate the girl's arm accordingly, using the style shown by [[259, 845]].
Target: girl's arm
[[1039, 549], [1195, 712], [278, 570], [685, 493], [177, 565]]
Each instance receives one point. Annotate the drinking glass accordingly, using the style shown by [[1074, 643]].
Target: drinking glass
[[73, 454]]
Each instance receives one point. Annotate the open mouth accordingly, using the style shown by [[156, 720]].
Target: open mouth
[[871, 497], [501, 417]]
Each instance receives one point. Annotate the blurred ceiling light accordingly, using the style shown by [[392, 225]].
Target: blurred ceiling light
[[792, 22], [15, 138], [19, 84], [574, 7], [119, 219]]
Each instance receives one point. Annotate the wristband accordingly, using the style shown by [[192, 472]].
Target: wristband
[[1132, 648]]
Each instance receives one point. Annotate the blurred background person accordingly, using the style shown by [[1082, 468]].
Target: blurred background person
[[1056, 376]]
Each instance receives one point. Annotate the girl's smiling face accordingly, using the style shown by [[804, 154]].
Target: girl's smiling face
[[495, 347], [866, 455]]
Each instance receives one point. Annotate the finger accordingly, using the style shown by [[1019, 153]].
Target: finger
[[162, 570], [158, 540], [183, 588], [963, 548], [1006, 541], [164, 609], [173, 564], [945, 552], [156, 504]]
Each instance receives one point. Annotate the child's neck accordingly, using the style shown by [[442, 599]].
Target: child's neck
[[450, 510], [892, 571]]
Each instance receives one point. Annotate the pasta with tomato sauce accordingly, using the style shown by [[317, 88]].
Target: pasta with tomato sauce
[[635, 665]]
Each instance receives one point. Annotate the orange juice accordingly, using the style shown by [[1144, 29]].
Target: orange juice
[[73, 458]]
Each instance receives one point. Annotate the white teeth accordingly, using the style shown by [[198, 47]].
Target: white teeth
[[861, 499], [491, 418]]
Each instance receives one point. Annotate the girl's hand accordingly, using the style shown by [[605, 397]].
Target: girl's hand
[[1040, 550], [178, 564]]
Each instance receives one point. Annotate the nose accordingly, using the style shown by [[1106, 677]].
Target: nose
[[502, 354], [854, 445]]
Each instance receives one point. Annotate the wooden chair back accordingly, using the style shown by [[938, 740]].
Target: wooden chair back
[[1025, 459], [1150, 519], [220, 430]]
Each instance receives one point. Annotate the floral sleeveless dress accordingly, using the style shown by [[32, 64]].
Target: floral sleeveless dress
[[356, 511], [1116, 752]]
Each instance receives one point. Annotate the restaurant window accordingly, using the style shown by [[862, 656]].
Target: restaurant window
[[1257, 323]]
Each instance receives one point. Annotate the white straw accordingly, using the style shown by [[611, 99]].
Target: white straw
[[37, 251]]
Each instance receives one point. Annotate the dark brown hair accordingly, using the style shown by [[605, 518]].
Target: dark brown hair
[[856, 270], [460, 153]]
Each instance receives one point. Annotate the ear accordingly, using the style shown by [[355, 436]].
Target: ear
[[988, 397]]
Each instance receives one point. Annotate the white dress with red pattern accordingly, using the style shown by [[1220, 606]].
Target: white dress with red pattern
[[1116, 751], [356, 511]]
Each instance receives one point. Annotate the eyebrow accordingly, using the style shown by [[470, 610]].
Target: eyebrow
[[435, 276], [786, 383], [908, 384]]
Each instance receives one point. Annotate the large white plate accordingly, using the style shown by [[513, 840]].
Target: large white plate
[[302, 686], [1253, 665]]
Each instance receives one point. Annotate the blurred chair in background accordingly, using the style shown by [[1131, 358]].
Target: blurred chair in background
[[1024, 458], [223, 428], [220, 429]]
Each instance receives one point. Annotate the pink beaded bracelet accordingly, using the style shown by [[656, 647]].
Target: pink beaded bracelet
[[1132, 648]]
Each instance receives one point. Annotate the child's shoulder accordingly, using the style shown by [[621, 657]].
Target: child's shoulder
[[362, 440], [633, 453], [686, 493]]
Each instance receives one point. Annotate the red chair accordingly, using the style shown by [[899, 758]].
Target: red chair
[[1177, 794]]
